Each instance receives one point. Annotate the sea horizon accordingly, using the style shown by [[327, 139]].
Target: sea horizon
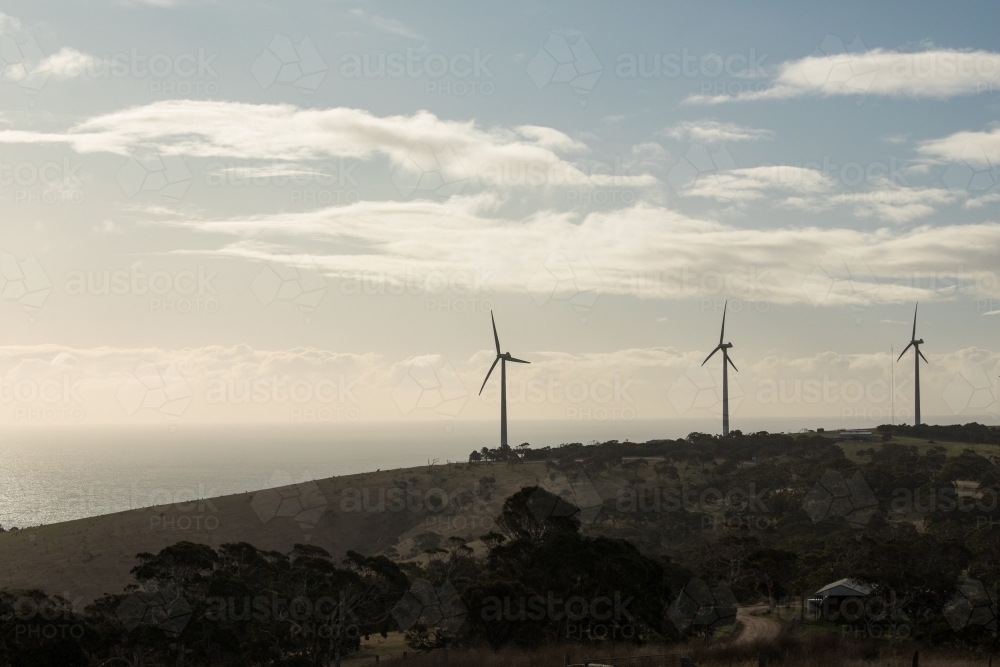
[[50, 474]]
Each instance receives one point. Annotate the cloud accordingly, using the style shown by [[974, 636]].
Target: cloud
[[391, 26], [886, 200], [932, 73], [9, 24], [165, 4], [753, 183], [655, 245], [978, 149], [980, 202], [812, 190], [243, 384], [712, 131], [286, 133], [68, 63]]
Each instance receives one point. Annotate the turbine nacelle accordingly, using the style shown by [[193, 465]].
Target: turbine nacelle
[[722, 346], [915, 343], [726, 363], [501, 356]]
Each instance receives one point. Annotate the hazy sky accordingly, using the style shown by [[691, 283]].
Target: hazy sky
[[208, 206]]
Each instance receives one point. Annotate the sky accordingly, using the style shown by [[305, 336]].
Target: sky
[[279, 212]]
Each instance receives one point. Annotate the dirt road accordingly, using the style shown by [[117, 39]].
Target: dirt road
[[754, 626]]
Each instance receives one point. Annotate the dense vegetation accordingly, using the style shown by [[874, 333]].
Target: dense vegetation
[[634, 542]]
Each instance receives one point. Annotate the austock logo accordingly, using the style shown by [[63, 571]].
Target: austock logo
[[849, 67], [575, 497], [977, 171], [21, 59], [302, 501], [24, 282], [567, 60], [284, 62], [148, 171], [431, 385], [430, 171], [833, 497], [700, 168], [973, 388], [441, 608], [563, 276], [973, 604], [702, 608], [302, 284], [161, 607], [698, 388], [601, 617], [159, 387], [836, 280]]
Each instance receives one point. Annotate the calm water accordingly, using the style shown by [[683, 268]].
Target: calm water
[[49, 475]]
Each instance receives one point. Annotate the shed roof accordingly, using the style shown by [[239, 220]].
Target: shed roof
[[844, 588]]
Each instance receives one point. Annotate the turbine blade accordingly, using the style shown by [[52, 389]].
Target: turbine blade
[[732, 364], [488, 374], [710, 355], [722, 334], [922, 356], [496, 339], [519, 361], [904, 351], [913, 336]]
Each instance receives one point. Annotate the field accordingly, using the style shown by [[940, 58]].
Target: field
[[84, 558]]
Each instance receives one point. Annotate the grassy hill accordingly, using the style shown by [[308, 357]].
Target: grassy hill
[[402, 513]]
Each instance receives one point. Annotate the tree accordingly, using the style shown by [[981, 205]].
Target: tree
[[910, 575], [635, 465], [540, 547], [772, 569], [666, 469]]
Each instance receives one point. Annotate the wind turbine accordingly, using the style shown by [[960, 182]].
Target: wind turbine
[[503, 358], [917, 356], [725, 371]]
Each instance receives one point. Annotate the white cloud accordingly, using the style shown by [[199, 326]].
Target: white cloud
[[9, 24], [656, 245], [978, 149], [284, 132], [809, 189], [391, 26], [753, 183], [886, 200], [980, 202], [712, 131], [68, 63], [933, 73]]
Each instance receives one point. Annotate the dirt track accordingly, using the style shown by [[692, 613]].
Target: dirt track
[[754, 626]]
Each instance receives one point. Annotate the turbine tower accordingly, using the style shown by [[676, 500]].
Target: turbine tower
[[725, 371], [917, 356], [503, 358]]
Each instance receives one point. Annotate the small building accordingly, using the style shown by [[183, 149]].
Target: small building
[[856, 435], [827, 601]]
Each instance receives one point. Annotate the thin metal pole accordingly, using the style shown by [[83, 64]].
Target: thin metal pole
[[916, 388], [725, 393], [503, 402]]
